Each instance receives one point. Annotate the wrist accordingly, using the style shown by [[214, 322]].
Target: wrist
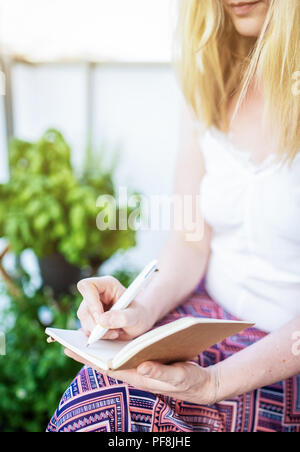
[[213, 388], [149, 301], [149, 314]]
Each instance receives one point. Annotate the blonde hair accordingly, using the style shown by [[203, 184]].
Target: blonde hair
[[213, 62]]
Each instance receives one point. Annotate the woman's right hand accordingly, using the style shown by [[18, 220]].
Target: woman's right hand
[[99, 295]]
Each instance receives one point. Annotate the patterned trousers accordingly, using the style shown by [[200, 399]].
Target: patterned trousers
[[97, 403]]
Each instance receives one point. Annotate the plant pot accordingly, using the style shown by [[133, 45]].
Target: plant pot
[[58, 274]]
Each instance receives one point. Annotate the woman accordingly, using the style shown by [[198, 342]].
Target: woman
[[237, 64]]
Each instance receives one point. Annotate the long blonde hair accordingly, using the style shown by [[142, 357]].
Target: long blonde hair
[[213, 62]]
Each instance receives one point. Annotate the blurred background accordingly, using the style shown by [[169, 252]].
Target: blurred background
[[89, 103]]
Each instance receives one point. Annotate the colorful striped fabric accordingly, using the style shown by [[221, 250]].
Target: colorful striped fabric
[[96, 403]]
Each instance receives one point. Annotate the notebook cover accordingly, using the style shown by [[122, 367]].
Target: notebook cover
[[185, 344]]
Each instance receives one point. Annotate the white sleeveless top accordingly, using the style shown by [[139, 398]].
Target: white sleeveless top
[[254, 211]]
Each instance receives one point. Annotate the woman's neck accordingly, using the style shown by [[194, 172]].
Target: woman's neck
[[248, 128]]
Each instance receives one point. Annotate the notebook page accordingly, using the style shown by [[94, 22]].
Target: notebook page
[[100, 354]]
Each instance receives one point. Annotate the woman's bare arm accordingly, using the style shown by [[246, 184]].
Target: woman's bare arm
[[273, 359], [182, 262]]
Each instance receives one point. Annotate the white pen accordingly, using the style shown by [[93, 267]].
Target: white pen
[[124, 301]]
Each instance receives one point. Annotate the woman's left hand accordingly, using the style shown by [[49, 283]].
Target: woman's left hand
[[182, 381]]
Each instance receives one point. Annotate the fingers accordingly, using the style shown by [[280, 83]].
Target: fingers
[[88, 323], [133, 378], [77, 358], [81, 360], [176, 374], [170, 380], [73, 355], [112, 335], [129, 376], [50, 340], [99, 291], [119, 319], [92, 302]]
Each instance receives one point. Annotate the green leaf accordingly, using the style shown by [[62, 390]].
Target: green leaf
[[45, 206], [41, 221]]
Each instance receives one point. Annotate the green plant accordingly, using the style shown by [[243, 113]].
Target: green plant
[[34, 374], [46, 208]]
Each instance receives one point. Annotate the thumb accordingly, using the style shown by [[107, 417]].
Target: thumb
[[119, 319]]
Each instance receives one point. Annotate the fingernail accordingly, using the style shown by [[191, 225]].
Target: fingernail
[[145, 370]]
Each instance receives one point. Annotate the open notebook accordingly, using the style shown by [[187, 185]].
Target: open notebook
[[180, 340]]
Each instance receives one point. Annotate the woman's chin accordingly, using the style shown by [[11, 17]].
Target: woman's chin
[[248, 27]]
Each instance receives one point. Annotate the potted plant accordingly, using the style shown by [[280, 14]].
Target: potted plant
[[33, 375], [46, 207]]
